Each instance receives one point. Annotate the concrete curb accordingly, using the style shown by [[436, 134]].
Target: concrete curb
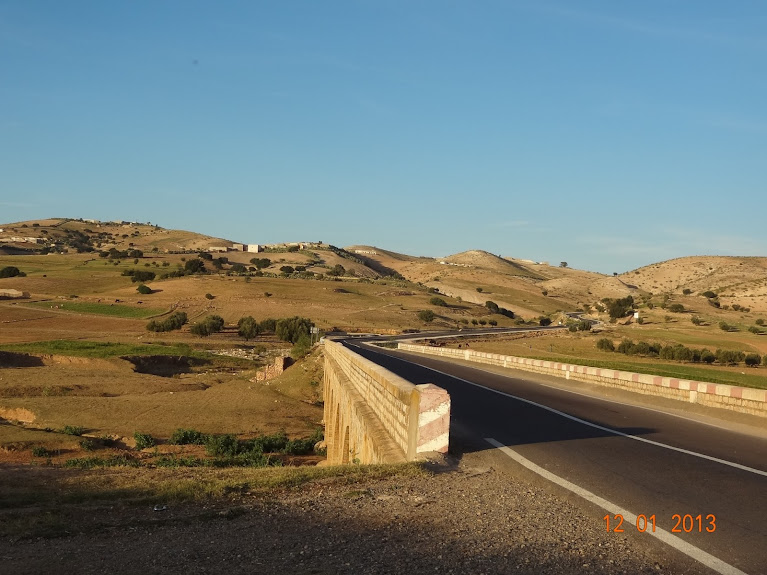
[[740, 399]]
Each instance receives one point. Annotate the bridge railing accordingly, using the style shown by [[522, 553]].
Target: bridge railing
[[375, 416]]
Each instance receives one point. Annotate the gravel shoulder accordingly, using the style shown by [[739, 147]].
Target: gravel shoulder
[[458, 517]]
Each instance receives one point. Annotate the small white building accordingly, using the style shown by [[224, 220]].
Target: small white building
[[254, 248]]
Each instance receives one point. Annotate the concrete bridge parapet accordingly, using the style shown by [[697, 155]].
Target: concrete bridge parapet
[[375, 416]]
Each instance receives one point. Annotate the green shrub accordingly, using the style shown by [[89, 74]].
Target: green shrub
[[626, 346], [479, 289], [248, 328], [438, 301], [753, 359], [709, 294], [183, 436], [696, 320], [605, 344], [724, 326], [759, 321], [493, 322], [174, 321], [754, 329], [686, 291], [221, 445], [302, 347], [72, 430], [88, 444], [143, 440], [543, 321], [139, 276], [427, 316], [11, 272], [144, 289], [492, 306], [706, 356], [40, 451], [676, 308], [209, 296], [291, 329]]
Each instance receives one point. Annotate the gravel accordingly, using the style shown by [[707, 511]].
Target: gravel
[[462, 518]]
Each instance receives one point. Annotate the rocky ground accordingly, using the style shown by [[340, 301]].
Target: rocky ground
[[458, 518]]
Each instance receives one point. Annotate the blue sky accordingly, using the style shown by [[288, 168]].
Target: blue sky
[[608, 135]]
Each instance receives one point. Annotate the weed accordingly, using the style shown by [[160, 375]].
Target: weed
[[143, 440], [72, 430]]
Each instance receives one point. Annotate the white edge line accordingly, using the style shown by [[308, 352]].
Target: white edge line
[[594, 425], [679, 544]]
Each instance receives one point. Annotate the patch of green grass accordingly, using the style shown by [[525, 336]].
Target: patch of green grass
[[113, 310], [98, 349], [681, 371]]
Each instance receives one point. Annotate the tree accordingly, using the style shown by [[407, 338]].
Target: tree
[[195, 266], [11, 272], [696, 320], [753, 359], [426, 315], [493, 322], [438, 301], [544, 321], [238, 268], [287, 270], [676, 308], [248, 327], [563, 264], [292, 328], [338, 270], [479, 289], [143, 289], [492, 306], [605, 344], [268, 325], [261, 263]]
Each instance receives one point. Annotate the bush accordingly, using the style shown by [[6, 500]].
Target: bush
[[482, 322], [479, 289], [209, 296], [88, 444], [291, 329], [261, 263], [544, 321], [174, 321], [707, 357], [11, 272], [187, 437], [73, 430], [709, 294], [474, 322], [764, 360], [642, 348], [40, 451], [144, 289], [301, 347], [247, 327], [619, 308], [493, 322], [753, 359], [724, 326], [686, 291], [676, 308], [759, 321], [754, 329], [268, 325], [143, 440], [492, 306], [682, 353], [438, 301], [696, 320], [218, 445], [287, 270], [140, 276], [605, 344], [195, 266], [427, 316], [626, 346], [238, 269]]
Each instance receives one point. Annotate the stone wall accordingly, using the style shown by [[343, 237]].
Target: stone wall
[[375, 416], [272, 371], [740, 399]]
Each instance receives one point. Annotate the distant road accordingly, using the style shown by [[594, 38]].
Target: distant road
[[643, 461]]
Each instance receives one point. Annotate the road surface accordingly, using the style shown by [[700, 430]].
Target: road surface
[[624, 459]]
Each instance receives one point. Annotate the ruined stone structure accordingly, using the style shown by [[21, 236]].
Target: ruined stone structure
[[272, 371], [375, 416]]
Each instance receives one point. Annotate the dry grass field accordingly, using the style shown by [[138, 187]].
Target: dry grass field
[[84, 324]]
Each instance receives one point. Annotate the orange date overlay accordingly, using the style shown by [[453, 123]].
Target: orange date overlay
[[682, 523]]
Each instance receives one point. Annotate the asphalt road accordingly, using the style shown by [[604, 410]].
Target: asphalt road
[[642, 461]]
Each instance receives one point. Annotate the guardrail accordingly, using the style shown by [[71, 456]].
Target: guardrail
[[741, 399]]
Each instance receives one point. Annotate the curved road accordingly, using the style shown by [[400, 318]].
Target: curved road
[[622, 457]]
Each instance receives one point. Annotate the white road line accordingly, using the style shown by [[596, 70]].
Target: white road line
[[598, 398], [594, 425], [679, 544]]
